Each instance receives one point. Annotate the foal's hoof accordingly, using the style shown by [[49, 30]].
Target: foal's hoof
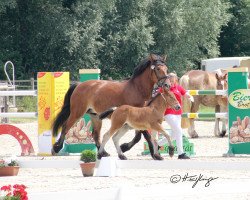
[[124, 147], [157, 157], [103, 154], [171, 151], [122, 157]]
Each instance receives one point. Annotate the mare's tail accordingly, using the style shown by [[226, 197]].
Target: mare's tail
[[186, 104], [106, 113], [64, 113]]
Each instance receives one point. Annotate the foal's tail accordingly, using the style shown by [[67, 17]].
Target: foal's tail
[[186, 104], [64, 113], [106, 113]]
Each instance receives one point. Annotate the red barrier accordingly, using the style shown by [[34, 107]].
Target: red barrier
[[20, 136]]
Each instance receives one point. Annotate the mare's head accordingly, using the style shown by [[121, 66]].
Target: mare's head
[[156, 67], [169, 97]]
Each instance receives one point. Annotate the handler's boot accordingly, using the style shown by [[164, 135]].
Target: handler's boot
[[183, 156]]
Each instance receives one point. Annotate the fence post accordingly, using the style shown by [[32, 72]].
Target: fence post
[[6, 109], [32, 83]]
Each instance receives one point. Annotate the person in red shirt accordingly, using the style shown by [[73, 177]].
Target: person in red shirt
[[173, 117]]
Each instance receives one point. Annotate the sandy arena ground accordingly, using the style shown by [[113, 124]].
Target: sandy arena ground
[[136, 183]]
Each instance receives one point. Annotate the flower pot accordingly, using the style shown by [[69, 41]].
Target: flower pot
[[87, 168], [9, 171]]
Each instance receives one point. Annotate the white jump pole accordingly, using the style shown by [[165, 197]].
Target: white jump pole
[[19, 93], [19, 114]]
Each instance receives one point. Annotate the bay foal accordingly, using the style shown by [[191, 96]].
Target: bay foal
[[149, 117]]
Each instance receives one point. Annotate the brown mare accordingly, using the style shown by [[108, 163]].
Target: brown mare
[[139, 118], [96, 96], [203, 80]]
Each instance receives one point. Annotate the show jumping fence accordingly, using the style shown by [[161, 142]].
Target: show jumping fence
[[19, 93], [206, 115]]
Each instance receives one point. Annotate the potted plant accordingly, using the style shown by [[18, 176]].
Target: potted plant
[[9, 168], [88, 165]]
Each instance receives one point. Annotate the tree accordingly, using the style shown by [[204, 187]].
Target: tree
[[188, 31], [126, 36], [234, 39]]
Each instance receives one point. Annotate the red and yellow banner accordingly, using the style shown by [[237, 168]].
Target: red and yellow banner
[[51, 89]]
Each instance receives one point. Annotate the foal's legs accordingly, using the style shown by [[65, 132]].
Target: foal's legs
[[97, 125], [159, 128], [101, 150], [116, 138]]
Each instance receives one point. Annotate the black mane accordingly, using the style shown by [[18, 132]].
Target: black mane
[[145, 64], [141, 68]]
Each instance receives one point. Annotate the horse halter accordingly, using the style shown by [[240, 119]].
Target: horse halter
[[162, 88], [161, 79]]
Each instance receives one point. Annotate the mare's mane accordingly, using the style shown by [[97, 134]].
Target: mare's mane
[[145, 64]]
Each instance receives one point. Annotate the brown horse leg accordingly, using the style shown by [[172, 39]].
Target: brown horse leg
[[59, 143], [223, 131], [148, 138], [75, 114], [97, 125], [156, 155], [217, 122], [65, 128], [127, 146], [194, 108]]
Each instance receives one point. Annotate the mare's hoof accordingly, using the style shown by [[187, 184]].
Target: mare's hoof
[[171, 151], [53, 152], [122, 157], [55, 149], [124, 147], [157, 157]]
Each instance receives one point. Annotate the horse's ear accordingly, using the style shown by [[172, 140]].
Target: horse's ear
[[164, 58], [225, 76], [216, 76], [152, 57]]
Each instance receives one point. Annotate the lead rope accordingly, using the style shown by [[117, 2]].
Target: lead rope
[[163, 97]]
